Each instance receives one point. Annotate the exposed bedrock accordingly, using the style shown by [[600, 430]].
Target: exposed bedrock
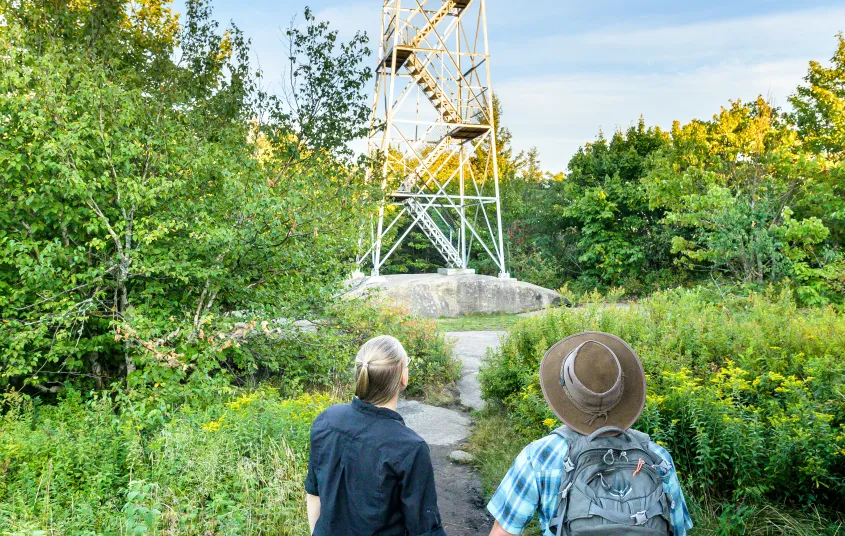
[[436, 295]]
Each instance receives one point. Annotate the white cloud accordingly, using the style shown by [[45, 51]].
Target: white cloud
[[761, 37], [560, 113], [608, 79]]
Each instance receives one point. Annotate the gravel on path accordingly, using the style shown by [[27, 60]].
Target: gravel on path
[[462, 506]]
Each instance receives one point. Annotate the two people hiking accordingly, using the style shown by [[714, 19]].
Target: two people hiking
[[368, 474]]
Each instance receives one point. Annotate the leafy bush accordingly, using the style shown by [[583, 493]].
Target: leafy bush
[[746, 392], [183, 450], [727, 186], [323, 358], [228, 465], [144, 200]]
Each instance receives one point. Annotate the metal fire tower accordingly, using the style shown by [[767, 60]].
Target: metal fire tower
[[432, 122]]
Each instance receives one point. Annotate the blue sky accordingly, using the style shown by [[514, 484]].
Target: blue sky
[[565, 69]]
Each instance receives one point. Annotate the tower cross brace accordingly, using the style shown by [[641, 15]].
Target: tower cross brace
[[432, 123]]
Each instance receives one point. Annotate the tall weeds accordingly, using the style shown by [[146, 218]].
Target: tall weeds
[[746, 392]]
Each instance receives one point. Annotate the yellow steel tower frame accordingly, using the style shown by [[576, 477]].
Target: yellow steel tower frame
[[432, 121]]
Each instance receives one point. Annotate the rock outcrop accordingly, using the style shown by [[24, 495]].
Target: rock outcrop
[[436, 295]]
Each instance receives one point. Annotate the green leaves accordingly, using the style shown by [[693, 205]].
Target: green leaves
[[819, 107], [145, 203], [324, 103], [600, 222], [744, 392], [727, 186], [214, 460]]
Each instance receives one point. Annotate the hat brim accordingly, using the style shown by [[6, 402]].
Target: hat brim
[[625, 414]]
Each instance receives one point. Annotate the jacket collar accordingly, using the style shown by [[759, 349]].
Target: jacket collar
[[368, 409]]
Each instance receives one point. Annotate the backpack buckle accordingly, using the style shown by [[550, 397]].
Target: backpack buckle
[[564, 493], [663, 468], [640, 518], [568, 465]]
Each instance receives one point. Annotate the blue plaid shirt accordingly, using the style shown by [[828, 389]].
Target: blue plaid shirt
[[533, 483]]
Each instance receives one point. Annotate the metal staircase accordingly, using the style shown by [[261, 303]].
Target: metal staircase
[[412, 179], [405, 50], [435, 19], [434, 233], [417, 69]]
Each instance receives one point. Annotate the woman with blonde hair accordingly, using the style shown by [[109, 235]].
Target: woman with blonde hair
[[369, 474]]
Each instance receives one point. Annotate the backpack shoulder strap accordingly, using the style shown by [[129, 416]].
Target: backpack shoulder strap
[[575, 442], [567, 433], [642, 439]]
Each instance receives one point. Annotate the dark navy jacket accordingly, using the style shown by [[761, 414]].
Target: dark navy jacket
[[372, 473]]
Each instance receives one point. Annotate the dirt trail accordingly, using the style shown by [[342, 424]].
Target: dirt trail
[[445, 430]]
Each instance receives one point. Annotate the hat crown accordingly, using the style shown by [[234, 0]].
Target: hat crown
[[596, 366], [591, 376]]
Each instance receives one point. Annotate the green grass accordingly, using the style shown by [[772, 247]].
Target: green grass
[[231, 464], [479, 322]]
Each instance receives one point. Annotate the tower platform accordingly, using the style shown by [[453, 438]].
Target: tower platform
[[402, 55], [469, 131]]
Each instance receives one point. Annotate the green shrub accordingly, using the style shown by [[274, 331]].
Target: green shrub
[[183, 450], [746, 392], [433, 365], [324, 358], [234, 465], [162, 209]]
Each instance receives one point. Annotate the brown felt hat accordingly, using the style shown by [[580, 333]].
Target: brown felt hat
[[593, 379]]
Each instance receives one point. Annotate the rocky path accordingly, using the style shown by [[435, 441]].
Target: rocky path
[[445, 430]]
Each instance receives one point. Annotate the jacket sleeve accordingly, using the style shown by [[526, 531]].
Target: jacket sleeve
[[311, 477], [418, 496]]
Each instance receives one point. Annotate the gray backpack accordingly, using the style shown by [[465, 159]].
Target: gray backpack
[[607, 491]]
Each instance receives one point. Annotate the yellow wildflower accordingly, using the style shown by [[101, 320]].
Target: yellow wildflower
[[213, 426]]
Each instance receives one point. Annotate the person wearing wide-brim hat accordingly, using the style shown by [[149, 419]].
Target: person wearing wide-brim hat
[[595, 384]]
